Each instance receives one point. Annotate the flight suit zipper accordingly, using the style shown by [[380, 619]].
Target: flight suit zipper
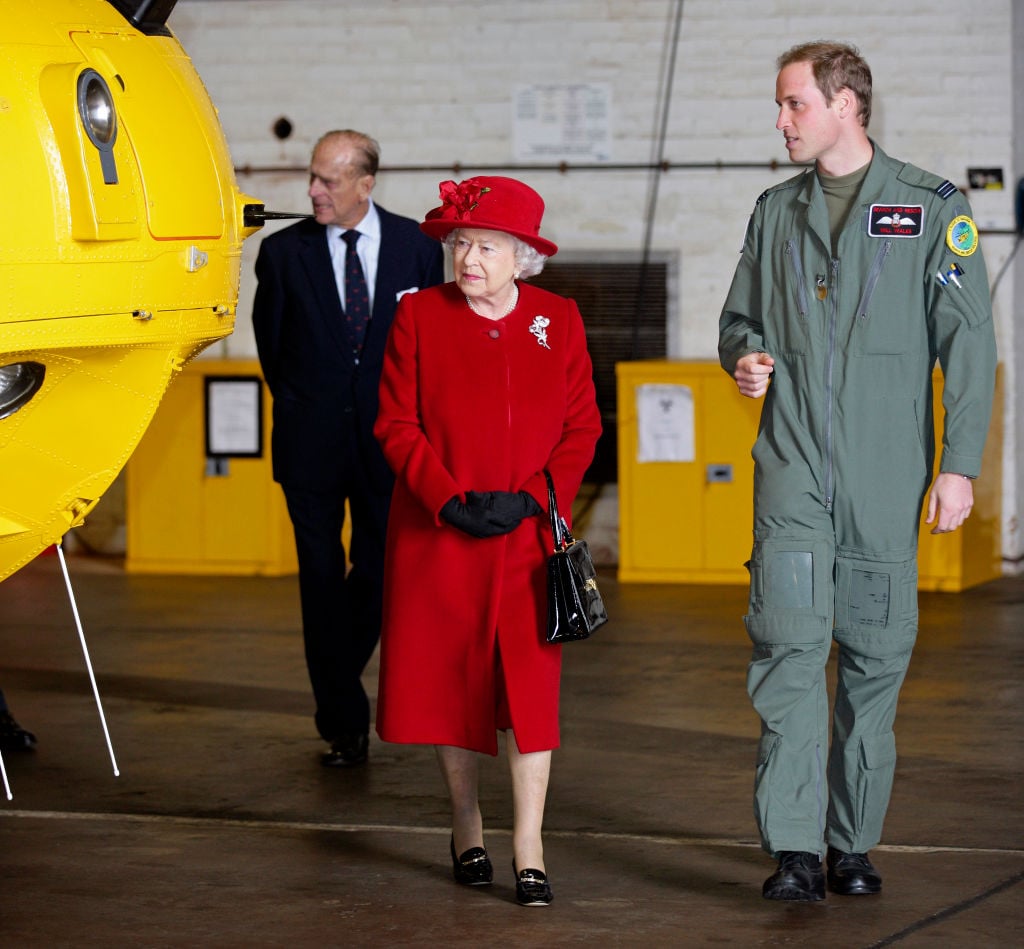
[[872, 278], [830, 359], [798, 272]]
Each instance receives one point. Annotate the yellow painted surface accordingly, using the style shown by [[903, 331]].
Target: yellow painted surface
[[183, 518], [676, 526], [112, 284], [972, 555]]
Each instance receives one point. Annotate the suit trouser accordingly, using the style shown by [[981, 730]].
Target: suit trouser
[[341, 615], [805, 591]]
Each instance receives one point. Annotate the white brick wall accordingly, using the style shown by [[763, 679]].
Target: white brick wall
[[433, 82]]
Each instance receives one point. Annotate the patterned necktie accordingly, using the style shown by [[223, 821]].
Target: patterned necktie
[[357, 300]]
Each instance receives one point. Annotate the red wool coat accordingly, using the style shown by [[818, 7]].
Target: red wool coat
[[472, 404]]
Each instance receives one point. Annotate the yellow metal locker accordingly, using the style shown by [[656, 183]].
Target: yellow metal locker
[[690, 521], [686, 521], [186, 515]]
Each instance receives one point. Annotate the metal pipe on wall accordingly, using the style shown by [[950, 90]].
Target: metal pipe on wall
[[458, 168]]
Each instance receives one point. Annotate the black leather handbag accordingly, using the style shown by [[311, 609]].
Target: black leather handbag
[[575, 607]]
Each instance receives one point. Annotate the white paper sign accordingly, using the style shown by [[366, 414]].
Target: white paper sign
[[562, 122], [665, 423], [233, 415]]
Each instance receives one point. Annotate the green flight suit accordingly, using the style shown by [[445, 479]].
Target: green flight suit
[[843, 460]]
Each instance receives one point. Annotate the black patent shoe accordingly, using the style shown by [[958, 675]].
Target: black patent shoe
[[851, 874], [799, 878], [347, 750], [473, 868], [532, 887]]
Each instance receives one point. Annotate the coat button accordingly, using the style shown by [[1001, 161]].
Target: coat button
[[494, 334]]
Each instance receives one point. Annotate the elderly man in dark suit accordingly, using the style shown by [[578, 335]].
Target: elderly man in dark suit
[[326, 294]]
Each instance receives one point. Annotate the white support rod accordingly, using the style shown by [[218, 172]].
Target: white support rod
[[7, 786], [85, 652]]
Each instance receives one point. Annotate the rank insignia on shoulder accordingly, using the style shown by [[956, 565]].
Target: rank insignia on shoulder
[[946, 189], [895, 220], [962, 236]]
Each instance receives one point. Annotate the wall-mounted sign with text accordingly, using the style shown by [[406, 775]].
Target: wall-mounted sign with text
[[568, 122]]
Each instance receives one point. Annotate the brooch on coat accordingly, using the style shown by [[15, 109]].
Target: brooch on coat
[[539, 329]]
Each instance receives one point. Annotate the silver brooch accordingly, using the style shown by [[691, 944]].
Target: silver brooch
[[539, 329]]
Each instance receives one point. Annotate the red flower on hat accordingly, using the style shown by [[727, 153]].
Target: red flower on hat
[[458, 200]]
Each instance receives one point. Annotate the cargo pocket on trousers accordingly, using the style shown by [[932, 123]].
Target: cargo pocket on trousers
[[878, 751], [877, 756], [790, 591], [876, 606]]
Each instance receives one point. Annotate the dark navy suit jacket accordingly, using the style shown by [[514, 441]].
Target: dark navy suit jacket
[[320, 393]]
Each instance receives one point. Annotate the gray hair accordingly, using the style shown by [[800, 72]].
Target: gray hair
[[529, 260], [365, 149]]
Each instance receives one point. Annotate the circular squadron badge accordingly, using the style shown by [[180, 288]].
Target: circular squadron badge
[[962, 236]]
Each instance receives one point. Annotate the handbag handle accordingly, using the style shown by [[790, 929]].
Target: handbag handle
[[560, 533]]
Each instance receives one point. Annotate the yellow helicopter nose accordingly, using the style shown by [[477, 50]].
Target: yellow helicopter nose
[[120, 249]]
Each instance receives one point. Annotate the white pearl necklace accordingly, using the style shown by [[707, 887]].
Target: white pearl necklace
[[508, 309]]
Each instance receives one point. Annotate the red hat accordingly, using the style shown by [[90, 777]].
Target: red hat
[[491, 204]]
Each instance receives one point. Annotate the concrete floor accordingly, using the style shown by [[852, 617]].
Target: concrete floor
[[223, 830]]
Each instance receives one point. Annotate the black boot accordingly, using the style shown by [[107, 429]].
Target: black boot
[[12, 736], [851, 874], [799, 878]]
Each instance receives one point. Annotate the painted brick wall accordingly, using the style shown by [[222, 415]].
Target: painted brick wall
[[433, 81]]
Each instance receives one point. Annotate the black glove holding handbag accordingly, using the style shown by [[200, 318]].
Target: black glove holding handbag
[[490, 513]]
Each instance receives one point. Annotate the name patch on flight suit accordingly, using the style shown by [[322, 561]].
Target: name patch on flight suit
[[895, 220]]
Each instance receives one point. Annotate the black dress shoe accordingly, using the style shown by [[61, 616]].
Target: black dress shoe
[[473, 868], [851, 874], [346, 750], [12, 736], [532, 887], [799, 878]]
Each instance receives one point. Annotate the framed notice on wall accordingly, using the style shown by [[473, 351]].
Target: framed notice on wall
[[562, 122], [234, 416]]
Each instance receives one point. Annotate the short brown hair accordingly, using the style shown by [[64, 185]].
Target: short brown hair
[[835, 66]]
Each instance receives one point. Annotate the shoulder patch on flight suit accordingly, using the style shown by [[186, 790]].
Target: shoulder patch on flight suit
[[962, 236]]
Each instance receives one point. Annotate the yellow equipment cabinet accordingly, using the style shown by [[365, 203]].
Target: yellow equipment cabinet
[[686, 521], [188, 513], [690, 521], [952, 562]]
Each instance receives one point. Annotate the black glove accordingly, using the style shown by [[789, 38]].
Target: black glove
[[490, 513], [507, 507], [504, 509], [470, 517]]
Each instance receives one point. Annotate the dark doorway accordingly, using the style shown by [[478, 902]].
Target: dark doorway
[[625, 310]]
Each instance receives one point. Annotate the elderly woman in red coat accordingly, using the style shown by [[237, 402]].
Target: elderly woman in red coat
[[486, 383]]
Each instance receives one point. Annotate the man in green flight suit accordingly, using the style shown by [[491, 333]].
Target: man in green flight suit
[[855, 276]]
